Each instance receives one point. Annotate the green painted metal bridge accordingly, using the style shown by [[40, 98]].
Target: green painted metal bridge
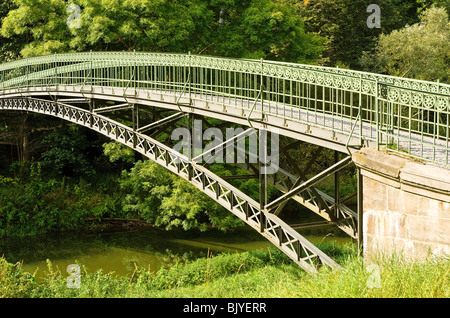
[[133, 97]]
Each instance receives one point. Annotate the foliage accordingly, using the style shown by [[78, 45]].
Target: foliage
[[265, 29], [25, 132], [9, 47], [14, 282], [343, 24], [162, 198], [36, 205], [260, 274], [420, 51], [116, 151], [66, 155], [40, 20], [255, 29]]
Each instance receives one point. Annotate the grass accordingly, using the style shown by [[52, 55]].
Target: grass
[[253, 274]]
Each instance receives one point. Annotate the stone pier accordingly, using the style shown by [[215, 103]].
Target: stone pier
[[406, 206]]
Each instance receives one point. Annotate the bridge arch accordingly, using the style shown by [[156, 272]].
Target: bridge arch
[[299, 249]]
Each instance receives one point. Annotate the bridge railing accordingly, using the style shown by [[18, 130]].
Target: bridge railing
[[402, 115]]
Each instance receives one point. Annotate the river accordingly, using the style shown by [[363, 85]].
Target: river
[[121, 251]]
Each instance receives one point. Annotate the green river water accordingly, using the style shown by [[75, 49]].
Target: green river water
[[121, 251]]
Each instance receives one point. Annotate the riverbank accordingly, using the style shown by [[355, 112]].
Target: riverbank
[[121, 247], [263, 273]]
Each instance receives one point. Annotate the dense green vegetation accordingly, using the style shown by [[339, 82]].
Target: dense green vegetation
[[331, 33], [261, 274]]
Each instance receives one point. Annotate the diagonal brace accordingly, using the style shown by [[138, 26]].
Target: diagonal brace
[[305, 185], [125, 106], [160, 122], [237, 137]]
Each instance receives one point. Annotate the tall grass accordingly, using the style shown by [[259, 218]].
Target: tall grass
[[265, 273]]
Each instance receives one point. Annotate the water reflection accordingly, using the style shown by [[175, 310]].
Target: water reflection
[[121, 252]]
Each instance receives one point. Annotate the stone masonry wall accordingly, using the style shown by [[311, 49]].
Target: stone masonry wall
[[406, 206]]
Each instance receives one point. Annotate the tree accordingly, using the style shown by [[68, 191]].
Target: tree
[[24, 131], [344, 25], [268, 29], [67, 153], [9, 47], [420, 51], [160, 197], [264, 29], [144, 25], [41, 21], [116, 151]]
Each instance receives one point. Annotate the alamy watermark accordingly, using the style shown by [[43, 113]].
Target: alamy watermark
[[74, 280], [74, 19], [238, 146], [374, 20], [374, 279]]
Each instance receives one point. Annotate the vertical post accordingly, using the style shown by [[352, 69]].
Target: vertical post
[[190, 127], [262, 183], [137, 116], [135, 72], [194, 136], [133, 115], [28, 86], [360, 209], [360, 111], [91, 110], [261, 89], [56, 72], [377, 117], [190, 78], [92, 68], [336, 187], [261, 197]]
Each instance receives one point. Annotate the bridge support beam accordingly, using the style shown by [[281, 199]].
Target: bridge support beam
[[307, 184], [405, 206]]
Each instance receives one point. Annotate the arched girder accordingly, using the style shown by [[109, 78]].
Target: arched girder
[[313, 199], [299, 249]]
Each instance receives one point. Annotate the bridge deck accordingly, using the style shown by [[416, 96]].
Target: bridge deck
[[332, 131]]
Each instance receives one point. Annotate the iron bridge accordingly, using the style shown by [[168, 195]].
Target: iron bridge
[[134, 97]]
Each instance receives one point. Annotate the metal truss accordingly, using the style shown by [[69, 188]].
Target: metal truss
[[332, 209], [299, 249], [309, 183]]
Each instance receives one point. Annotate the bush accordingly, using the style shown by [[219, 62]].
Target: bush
[[39, 206], [161, 197], [263, 273], [14, 282]]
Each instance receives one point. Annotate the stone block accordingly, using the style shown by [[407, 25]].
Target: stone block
[[374, 195], [406, 205]]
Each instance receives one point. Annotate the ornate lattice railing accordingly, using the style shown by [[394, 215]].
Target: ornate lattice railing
[[402, 115]]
